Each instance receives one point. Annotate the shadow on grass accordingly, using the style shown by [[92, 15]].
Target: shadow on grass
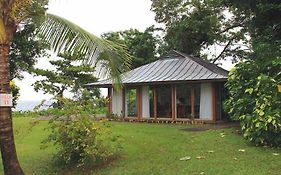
[[58, 167]]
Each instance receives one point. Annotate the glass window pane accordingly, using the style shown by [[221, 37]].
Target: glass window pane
[[131, 102], [197, 93], [164, 101], [183, 101], [151, 102]]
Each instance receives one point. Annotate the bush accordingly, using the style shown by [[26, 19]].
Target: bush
[[254, 97], [15, 90], [80, 140], [72, 107]]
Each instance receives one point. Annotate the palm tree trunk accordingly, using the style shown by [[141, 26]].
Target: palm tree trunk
[[8, 150]]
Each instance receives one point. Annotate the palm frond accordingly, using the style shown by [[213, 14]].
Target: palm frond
[[109, 58]]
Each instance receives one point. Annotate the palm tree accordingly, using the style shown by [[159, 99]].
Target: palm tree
[[63, 36]]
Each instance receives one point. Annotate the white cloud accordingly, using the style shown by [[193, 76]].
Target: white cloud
[[100, 16]]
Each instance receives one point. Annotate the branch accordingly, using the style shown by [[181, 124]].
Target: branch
[[224, 49], [231, 27]]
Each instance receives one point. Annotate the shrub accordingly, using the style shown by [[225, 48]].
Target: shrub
[[254, 98], [80, 140], [72, 107]]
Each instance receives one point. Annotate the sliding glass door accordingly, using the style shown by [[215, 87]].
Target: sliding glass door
[[164, 101], [183, 101], [188, 101]]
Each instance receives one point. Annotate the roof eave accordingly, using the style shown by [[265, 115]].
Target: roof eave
[[160, 83]]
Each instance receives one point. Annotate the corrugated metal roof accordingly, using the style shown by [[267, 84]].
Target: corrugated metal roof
[[173, 67]]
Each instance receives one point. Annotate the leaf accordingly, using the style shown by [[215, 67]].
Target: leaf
[[241, 150], [200, 157], [110, 59], [222, 134], [185, 158], [261, 113], [258, 124], [250, 90], [269, 119]]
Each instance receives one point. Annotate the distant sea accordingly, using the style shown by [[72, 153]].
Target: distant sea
[[29, 105]]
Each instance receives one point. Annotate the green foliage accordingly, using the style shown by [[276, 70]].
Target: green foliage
[[71, 107], [263, 17], [25, 49], [142, 45], [254, 97], [194, 27], [25, 114], [110, 58], [68, 73], [27, 45], [81, 140], [99, 104], [15, 90]]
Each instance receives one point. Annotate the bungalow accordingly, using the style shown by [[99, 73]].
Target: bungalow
[[177, 87]]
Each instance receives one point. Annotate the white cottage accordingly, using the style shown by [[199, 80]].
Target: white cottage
[[176, 87]]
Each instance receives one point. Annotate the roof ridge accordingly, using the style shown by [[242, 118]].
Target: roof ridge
[[211, 66], [170, 55]]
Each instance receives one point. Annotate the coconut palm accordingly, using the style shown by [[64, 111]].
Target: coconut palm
[[63, 36]]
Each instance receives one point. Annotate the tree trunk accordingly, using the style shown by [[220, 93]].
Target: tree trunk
[[60, 98], [8, 150]]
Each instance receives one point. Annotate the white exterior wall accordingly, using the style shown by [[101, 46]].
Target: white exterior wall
[[145, 102], [117, 102], [206, 101]]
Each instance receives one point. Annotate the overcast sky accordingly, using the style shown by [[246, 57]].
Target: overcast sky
[[97, 17]]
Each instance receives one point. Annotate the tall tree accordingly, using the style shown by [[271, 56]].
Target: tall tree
[[67, 74], [193, 26], [142, 45], [254, 98], [25, 49], [12, 14], [63, 36]]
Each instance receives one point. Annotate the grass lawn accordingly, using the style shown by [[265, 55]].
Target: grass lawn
[[156, 149]]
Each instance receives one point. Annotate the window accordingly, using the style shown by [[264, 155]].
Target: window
[[164, 101], [151, 103], [197, 96], [221, 95], [183, 101], [131, 102]]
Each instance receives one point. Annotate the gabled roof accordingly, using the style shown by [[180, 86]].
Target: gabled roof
[[173, 67]]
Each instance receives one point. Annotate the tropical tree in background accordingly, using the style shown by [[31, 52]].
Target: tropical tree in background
[[252, 84], [198, 27], [62, 36], [26, 48], [144, 46], [66, 74]]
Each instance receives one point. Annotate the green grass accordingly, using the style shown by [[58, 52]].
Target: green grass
[[156, 149]]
